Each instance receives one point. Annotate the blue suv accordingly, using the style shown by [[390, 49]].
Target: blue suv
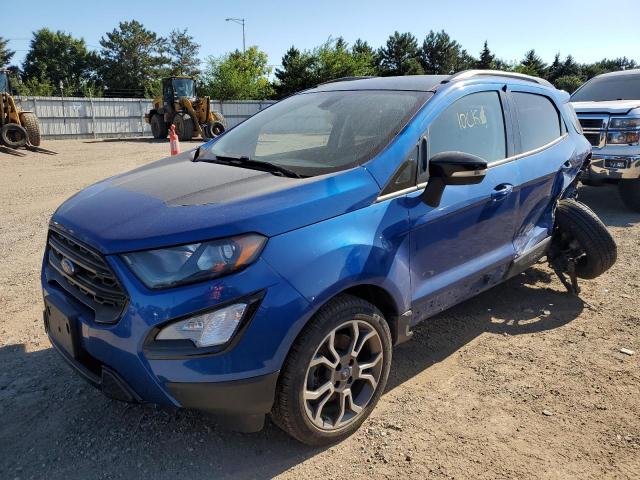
[[272, 269]]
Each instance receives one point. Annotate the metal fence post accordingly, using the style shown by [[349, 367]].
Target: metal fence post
[[141, 118], [93, 118]]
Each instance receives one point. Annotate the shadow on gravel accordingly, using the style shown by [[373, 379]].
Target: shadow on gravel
[[516, 307], [141, 140], [53, 422], [606, 202]]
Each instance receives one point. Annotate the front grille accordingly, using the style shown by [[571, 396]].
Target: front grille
[[594, 128], [594, 138], [92, 282], [591, 123]]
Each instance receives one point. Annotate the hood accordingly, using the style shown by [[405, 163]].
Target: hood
[[618, 107], [176, 201]]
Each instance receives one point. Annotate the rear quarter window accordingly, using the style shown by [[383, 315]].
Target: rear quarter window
[[538, 120]]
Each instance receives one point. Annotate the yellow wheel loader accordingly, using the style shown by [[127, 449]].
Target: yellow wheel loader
[[180, 105], [17, 127]]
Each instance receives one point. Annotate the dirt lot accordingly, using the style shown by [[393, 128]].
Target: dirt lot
[[524, 381]]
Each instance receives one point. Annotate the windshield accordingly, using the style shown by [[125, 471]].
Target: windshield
[[184, 87], [622, 87], [4, 82], [321, 132]]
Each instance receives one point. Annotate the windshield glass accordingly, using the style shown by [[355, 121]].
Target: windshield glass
[[4, 82], [623, 87], [321, 132], [184, 87]]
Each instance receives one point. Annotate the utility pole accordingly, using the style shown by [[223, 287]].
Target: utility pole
[[239, 21]]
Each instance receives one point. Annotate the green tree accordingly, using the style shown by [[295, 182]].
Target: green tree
[[34, 86], [441, 54], [400, 56], [555, 69], [238, 76], [5, 53], [55, 57], [570, 83], [298, 72], [183, 51], [335, 60], [486, 60], [132, 58], [532, 64]]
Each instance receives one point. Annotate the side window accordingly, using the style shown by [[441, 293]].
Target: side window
[[473, 124], [405, 176], [538, 120]]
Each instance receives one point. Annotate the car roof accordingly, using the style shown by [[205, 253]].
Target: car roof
[[620, 73], [425, 83]]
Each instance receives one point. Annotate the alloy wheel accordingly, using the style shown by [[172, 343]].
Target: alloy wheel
[[343, 375]]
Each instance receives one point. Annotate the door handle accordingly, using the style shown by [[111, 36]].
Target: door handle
[[501, 192]]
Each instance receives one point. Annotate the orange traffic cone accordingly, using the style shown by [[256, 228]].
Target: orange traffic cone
[[174, 143]]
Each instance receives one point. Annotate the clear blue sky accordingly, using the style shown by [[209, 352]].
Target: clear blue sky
[[588, 29]]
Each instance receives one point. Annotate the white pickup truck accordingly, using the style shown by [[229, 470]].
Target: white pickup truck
[[608, 107]]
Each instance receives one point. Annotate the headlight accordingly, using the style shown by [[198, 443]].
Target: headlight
[[168, 267], [624, 122], [623, 138], [208, 329]]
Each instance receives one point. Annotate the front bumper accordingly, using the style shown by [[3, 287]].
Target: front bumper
[[236, 382], [606, 166]]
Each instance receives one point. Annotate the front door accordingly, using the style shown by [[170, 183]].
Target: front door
[[464, 245]]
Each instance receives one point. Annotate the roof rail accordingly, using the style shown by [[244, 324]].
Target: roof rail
[[466, 74], [344, 79]]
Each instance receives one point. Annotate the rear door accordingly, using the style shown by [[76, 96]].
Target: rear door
[[543, 153], [465, 244]]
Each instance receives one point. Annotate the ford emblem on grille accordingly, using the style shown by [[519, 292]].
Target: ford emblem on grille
[[68, 266]]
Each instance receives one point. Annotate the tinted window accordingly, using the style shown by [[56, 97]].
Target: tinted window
[[618, 87], [473, 124], [321, 132], [538, 120]]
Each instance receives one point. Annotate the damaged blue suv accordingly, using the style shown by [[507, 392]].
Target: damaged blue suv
[[272, 269]]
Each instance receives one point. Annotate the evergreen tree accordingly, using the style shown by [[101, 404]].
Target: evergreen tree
[[297, 73], [532, 64], [5, 53], [555, 69], [400, 56], [183, 51], [486, 60], [132, 59], [441, 55]]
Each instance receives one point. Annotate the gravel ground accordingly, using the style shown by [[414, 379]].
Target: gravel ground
[[523, 381]]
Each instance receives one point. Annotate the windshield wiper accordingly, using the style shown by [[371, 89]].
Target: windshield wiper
[[246, 162]]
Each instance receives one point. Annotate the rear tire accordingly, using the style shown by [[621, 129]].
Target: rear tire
[[13, 135], [30, 123], [630, 193], [577, 227], [184, 126], [159, 128], [335, 372]]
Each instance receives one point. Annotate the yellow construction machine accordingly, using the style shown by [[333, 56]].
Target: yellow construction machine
[[17, 127], [180, 105]]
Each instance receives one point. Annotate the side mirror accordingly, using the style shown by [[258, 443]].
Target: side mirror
[[452, 168]]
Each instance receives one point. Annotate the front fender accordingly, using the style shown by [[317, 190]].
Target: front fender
[[367, 246]]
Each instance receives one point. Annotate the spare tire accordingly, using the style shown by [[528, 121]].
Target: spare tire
[[581, 232], [212, 130], [13, 135]]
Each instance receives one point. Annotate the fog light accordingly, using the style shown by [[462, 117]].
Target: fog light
[[208, 329]]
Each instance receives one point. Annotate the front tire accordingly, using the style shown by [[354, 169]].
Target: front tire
[[158, 126], [30, 123], [184, 126], [581, 235], [335, 373], [630, 193]]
